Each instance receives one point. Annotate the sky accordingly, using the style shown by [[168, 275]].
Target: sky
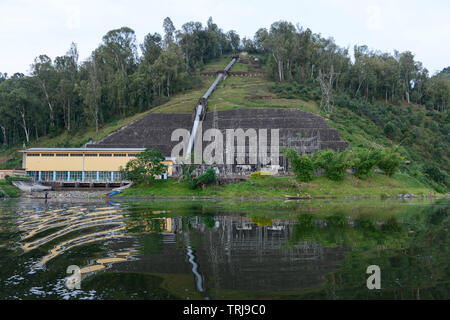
[[29, 28]]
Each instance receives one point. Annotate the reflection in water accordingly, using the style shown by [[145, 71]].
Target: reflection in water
[[67, 221], [198, 277], [201, 251]]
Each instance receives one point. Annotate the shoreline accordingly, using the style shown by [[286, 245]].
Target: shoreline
[[101, 195]]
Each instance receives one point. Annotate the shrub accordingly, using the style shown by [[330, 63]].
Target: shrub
[[145, 167], [334, 163], [207, 178], [433, 172], [390, 130], [365, 160], [390, 161], [302, 166]]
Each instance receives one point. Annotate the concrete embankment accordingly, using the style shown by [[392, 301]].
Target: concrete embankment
[[30, 186], [66, 194]]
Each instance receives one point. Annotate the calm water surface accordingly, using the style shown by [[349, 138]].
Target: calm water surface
[[224, 250]]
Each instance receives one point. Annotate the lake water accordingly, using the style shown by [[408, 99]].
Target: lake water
[[224, 249]]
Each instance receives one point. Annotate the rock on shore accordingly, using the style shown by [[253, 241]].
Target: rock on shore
[[69, 194]]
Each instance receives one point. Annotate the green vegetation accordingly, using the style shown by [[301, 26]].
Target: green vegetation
[[268, 187], [8, 189], [207, 178], [146, 167], [302, 166]]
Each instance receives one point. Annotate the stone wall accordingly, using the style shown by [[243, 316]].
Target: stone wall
[[298, 129]]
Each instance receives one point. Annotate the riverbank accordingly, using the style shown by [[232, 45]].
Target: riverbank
[[377, 186], [69, 194], [8, 190]]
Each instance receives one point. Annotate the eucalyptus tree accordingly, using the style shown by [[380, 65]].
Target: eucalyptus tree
[[213, 46], [44, 72], [408, 71], [188, 40], [151, 48], [280, 42], [115, 60], [67, 69], [89, 89], [169, 32], [19, 98], [234, 39]]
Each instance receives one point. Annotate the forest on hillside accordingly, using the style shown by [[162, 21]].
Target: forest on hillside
[[122, 77]]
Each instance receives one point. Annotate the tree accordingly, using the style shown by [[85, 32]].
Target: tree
[[234, 39], [151, 48], [301, 165], [390, 161], [145, 167], [408, 71], [90, 91], [67, 69], [207, 178], [169, 32], [333, 163], [280, 42], [43, 71], [364, 161]]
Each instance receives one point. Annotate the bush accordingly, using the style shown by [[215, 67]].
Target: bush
[[207, 178], [302, 166], [334, 163], [145, 167], [436, 174], [390, 130], [390, 161], [365, 160]]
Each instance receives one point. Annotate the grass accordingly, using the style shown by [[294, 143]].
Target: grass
[[11, 190], [377, 185]]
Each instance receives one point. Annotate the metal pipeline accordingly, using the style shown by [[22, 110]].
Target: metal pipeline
[[200, 110]]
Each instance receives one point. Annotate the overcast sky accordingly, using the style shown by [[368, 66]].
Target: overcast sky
[[29, 28]]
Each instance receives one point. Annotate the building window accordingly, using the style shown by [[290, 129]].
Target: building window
[[104, 175], [76, 154], [132, 154], [120, 154], [62, 154], [90, 175], [61, 175], [48, 154], [91, 155], [105, 155], [33, 175], [75, 175], [46, 175], [33, 154], [117, 176]]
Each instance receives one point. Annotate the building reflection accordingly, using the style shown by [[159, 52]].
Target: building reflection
[[71, 227], [234, 252], [227, 251]]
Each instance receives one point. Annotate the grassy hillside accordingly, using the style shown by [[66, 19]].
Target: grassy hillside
[[277, 187], [360, 125]]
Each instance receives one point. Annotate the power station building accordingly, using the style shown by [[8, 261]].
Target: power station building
[[79, 164]]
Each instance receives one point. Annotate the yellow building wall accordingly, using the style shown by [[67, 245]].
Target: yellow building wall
[[44, 163]]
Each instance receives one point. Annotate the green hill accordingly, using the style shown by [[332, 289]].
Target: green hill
[[420, 134]]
